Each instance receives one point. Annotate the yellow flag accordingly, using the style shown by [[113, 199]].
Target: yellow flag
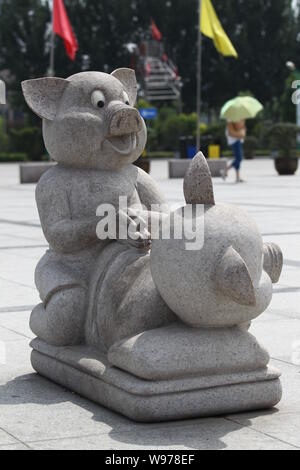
[[212, 28]]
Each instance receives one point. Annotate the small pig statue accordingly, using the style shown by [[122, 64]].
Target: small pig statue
[[229, 281], [225, 283], [94, 133]]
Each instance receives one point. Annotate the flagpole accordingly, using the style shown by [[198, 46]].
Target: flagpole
[[199, 78], [52, 46]]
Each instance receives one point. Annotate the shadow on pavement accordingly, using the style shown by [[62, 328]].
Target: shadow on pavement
[[206, 433]]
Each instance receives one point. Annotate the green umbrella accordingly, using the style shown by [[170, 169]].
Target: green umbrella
[[240, 108]]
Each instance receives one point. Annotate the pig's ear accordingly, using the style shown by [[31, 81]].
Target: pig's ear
[[128, 78], [234, 280], [273, 261], [198, 186], [43, 95]]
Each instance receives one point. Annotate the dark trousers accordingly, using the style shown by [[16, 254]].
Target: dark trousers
[[238, 154]]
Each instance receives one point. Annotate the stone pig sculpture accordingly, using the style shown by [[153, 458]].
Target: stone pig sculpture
[[229, 281], [94, 133], [155, 335], [226, 283], [100, 292]]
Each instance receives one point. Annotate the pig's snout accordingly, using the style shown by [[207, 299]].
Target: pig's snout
[[125, 121]]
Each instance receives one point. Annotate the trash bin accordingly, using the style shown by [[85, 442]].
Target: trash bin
[[206, 141], [183, 147], [214, 151], [187, 145], [191, 147]]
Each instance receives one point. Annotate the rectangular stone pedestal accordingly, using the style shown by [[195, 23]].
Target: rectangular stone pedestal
[[89, 374], [178, 168], [30, 173]]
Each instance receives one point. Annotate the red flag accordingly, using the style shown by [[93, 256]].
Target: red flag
[[62, 27], [156, 34]]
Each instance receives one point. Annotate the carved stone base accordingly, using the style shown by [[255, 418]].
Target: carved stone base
[[89, 374]]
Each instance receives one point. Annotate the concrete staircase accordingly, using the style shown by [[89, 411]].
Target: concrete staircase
[[162, 83]]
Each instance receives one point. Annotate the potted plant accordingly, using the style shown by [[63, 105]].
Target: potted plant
[[250, 146], [284, 140]]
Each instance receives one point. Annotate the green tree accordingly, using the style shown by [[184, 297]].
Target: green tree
[[265, 33], [24, 44]]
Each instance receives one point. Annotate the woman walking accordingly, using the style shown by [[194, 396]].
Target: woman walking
[[236, 133], [235, 112]]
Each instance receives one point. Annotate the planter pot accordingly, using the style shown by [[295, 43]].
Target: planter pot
[[286, 166], [144, 164]]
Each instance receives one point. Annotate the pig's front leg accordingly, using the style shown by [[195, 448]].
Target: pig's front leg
[[60, 319], [71, 236], [134, 225], [144, 226], [150, 196], [153, 208], [127, 227], [64, 232]]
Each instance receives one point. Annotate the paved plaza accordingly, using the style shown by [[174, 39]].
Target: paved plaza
[[37, 414]]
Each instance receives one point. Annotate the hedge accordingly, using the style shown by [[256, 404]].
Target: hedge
[[257, 153], [6, 157], [28, 140], [162, 154]]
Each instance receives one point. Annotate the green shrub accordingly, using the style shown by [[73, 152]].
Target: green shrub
[[6, 157], [175, 126], [143, 104], [3, 137], [28, 140], [227, 154], [260, 130], [217, 133], [250, 146], [257, 153], [160, 154], [283, 138]]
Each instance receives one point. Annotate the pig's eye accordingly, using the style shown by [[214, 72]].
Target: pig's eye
[[98, 99], [126, 98]]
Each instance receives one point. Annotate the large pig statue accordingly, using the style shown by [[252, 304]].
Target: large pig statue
[[155, 334], [94, 133]]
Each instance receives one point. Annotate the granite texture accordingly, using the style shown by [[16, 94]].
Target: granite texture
[[123, 299], [234, 279], [222, 284], [198, 186], [176, 351], [115, 320], [89, 374], [45, 415], [94, 133], [273, 261], [78, 133]]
